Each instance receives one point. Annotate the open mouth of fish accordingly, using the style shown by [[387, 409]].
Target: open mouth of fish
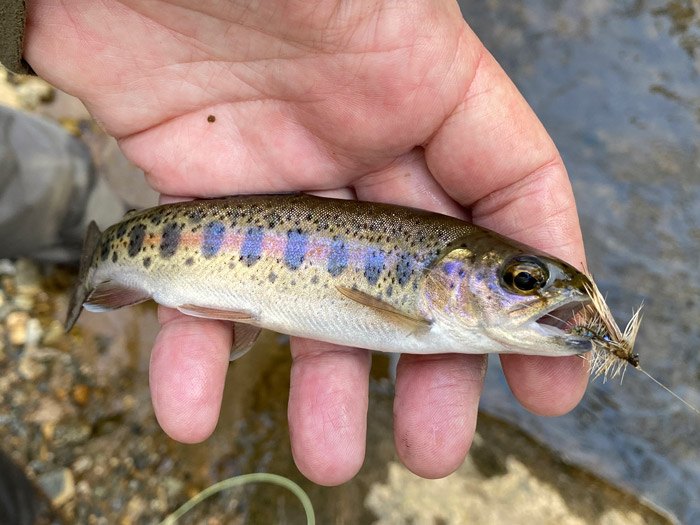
[[559, 321]]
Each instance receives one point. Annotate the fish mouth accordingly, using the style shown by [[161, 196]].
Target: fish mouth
[[559, 320]]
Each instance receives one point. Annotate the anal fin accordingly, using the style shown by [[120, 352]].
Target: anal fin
[[110, 295], [244, 338], [417, 324]]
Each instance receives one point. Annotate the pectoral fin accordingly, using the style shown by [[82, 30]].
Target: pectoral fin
[[208, 312], [244, 338], [110, 295], [417, 324]]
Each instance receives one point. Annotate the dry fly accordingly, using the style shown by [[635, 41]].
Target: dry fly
[[613, 349]]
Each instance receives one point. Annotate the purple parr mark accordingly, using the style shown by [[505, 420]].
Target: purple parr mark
[[212, 238], [374, 264], [170, 240], [338, 257], [136, 236], [295, 250], [251, 249], [404, 268]]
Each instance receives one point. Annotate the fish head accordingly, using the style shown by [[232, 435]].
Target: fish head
[[520, 298]]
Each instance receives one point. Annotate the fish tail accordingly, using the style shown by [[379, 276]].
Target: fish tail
[[83, 288]]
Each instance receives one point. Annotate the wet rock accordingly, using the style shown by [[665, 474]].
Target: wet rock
[[33, 91], [47, 355], [48, 410], [71, 433], [7, 282], [16, 323], [28, 368], [27, 277], [24, 302], [34, 332], [2, 342], [134, 510], [7, 267], [82, 464], [53, 334], [173, 487], [83, 489], [81, 394], [8, 94], [58, 485], [32, 361], [516, 497]]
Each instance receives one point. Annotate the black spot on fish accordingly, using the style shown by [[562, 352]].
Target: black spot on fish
[[114, 257], [136, 236], [196, 215], [314, 279], [146, 262], [272, 277], [157, 218], [272, 219], [170, 240], [389, 291], [105, 249], [121, 230], [189, 261]]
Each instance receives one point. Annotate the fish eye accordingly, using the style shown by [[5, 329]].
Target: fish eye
[[525, 274]]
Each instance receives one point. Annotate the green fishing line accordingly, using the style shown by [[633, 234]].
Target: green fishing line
[[238, 481]]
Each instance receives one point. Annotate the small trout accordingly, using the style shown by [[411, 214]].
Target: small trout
[[363, 274]]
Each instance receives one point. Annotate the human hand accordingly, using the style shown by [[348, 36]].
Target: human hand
[[375, 99]]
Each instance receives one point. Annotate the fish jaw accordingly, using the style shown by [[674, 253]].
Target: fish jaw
[[547, 333]]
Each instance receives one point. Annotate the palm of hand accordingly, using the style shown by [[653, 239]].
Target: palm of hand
[[388, 103], [294, 108]]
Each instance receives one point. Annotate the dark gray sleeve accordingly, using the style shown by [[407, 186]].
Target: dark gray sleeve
[[46, 178], [12, 19]]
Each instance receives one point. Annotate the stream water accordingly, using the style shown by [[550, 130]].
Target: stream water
[[617, 84]]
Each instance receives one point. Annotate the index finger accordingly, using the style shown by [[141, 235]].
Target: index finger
[[493, 155]]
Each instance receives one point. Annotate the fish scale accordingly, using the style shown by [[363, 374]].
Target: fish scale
[[370, 254], [372, 275]]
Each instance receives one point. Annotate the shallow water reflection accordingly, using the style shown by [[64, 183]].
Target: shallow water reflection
[[616, 84]]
